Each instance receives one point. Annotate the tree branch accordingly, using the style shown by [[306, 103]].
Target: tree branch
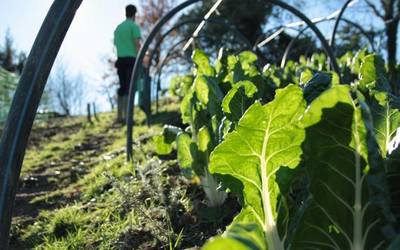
[[375, 9]]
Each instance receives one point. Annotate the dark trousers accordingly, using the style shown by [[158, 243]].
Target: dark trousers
[[124, 67]]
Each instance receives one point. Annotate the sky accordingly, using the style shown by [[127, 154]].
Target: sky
[[87, 43], [89, 40]]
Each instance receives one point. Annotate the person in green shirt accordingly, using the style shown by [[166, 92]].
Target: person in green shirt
[[127, 42]]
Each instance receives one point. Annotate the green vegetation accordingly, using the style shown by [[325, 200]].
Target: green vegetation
[[77, 191], [255, 159], [311, 161], [8, 84]]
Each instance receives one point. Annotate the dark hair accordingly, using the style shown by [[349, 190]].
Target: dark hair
[[130, 11]]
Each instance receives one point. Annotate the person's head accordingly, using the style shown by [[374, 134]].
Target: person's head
[[130, 11]]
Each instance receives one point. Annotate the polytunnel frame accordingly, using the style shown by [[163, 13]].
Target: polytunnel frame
[[14, 138], [169, 16], [163, 62], [217, 21], [214, 21], [279, 29], [171, 52], [33, 79], [301, 32]]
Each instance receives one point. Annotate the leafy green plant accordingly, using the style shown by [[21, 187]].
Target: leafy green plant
[[313, 163], [347, 205], [8, 84], [336, 145], [215, 101]]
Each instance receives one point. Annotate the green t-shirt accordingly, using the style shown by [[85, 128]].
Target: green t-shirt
[[124, 38]]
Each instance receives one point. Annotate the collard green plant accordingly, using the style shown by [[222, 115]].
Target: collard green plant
[[180, 85], [212, 106], [313, 163], [8, 85], [384, 107], [254, 156], [347, 206]]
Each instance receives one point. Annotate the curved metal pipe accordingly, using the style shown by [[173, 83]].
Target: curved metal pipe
[[25, 103], [138, 66], [272, 30], [171, 14], [170, 53], [338, 18], [362, 30], [290, 45], [218, 21], [313, 27]]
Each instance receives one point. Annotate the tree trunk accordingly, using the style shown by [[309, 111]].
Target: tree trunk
[[391, 34]]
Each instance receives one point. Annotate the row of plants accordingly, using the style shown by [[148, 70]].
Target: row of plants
[[8, 84], [312, 157]]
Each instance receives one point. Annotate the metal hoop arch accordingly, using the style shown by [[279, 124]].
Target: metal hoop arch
[[157, 78], [217, 21], [338, 18], [170, 15], [138, 65], [172, 52], [357, 26], [25, 104]]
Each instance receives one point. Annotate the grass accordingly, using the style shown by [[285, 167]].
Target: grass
[[112, 204]]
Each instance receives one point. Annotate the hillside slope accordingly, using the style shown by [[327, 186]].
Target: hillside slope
[[76, 190]]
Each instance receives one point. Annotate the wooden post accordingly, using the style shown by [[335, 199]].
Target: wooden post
[[95, 112], [89, 117]]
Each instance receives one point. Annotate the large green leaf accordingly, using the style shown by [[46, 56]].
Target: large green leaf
[[164, 142], [316, 85], [185, 147], [238, 99], [346, 209], [384, 107], [373, 74], [266, 138], [393, 174], [187, 107], [209, 94], [244, 233], [386, 120], [203, 63], [190, 156]]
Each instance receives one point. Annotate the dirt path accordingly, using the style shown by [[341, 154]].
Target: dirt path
[[36, 188]]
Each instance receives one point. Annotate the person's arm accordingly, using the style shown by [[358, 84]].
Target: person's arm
[[138, 44], [136, 37]]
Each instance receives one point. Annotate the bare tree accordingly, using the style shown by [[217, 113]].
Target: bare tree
[[109, 83], [66, 91], [10, 59], [150, 12], [107, 89]]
